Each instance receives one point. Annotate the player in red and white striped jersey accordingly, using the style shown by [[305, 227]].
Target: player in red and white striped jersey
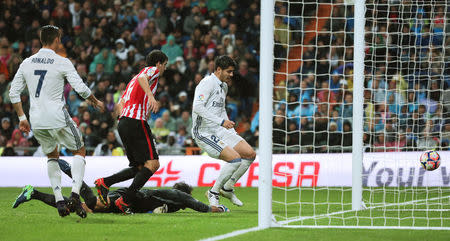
[[134, 107], [135, 100]]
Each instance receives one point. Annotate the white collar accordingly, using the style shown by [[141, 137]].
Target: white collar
[[217, 79], [47, 50]]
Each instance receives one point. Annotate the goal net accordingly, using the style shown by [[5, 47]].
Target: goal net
[[327, 119]]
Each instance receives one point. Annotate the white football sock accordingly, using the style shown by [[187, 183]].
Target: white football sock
[[245, 164], [54, 174], [227, 170], [78, 165]]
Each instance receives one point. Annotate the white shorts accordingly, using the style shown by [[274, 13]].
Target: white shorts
[[69, 136], [213, 142]]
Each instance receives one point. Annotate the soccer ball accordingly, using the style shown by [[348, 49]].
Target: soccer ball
[[430, 160]]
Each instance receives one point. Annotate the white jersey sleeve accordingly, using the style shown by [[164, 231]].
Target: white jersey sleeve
[[74, 79], [17, 86], [43, 74], [224, 113], [203, 92]]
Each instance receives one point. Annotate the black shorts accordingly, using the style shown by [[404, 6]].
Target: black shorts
[[138, 141]]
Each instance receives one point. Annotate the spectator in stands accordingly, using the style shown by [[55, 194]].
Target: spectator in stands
[[160, 132], [192, 21], [171, 147], [169, 122], [172, 50], [181, 136], [282, 33], [279, 132], [18, 140], [109, 146], [445, 138], [190, 51], [293, 138], [186, 121], [6, 130], [73, 103], [121, 51], [182, 101], [107, 45]]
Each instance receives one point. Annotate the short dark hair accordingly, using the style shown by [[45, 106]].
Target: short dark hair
[[224, 62], [184, 187], [154, 57], [48, 34]]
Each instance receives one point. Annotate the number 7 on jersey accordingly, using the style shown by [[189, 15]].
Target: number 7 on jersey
[[41, 74]]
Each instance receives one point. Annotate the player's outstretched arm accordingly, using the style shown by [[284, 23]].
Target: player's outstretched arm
[[74, 79], [219, 209], [95, 102], [77, 83], [196, 205], [24, 126], [118, 108], [143, 82], [17, 86]]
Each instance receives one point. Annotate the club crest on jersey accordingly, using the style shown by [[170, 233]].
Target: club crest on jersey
[[201, 97], [151, 71]]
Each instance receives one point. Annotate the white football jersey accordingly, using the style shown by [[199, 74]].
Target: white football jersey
[[208, 109], [44, 74]]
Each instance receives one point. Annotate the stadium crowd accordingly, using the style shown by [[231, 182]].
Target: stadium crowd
[[107, 40], [407, 70], [407, 60]]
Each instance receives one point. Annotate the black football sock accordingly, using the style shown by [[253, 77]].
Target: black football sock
[[65, 167], [86, 192], [139, 181], [48, 199], [121, 176], [88, 195]]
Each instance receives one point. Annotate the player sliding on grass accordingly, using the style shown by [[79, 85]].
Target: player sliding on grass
[[214, 133], [158, 201]]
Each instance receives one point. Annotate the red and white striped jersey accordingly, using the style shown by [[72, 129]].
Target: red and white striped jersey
[[136, 102]]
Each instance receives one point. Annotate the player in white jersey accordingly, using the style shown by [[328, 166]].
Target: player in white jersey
[[214, 132], [43, 74]]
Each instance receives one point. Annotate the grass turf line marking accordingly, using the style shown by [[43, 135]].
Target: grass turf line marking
[[232, 234], [280, 224], [347, 211]]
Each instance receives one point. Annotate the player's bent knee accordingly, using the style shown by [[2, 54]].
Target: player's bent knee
[[252, 155], [152, 165], [249, 154], [81, 152], [54, 154]]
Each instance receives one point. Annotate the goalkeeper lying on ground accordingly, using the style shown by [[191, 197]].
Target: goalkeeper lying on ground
[[158, 201]]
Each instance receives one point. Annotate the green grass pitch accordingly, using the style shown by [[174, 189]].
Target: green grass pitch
[[36, 221]]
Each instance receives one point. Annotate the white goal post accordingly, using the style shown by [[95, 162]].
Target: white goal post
[[265, 117], [389, 58]]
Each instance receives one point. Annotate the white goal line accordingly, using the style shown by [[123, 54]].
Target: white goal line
[[417, 210], [231, 234]]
